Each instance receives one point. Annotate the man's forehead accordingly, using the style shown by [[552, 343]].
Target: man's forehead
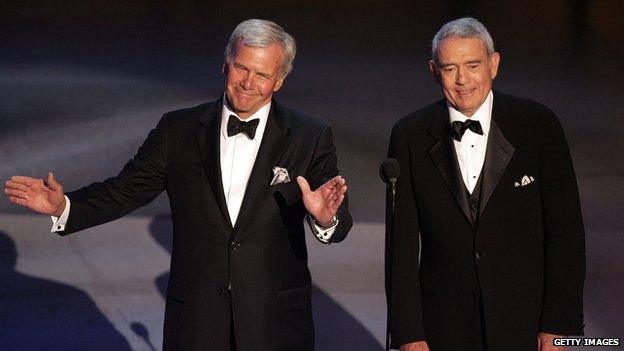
[[470, 49]]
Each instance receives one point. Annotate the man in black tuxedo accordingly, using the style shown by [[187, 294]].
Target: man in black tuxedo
[[239, 276], [488, 241]]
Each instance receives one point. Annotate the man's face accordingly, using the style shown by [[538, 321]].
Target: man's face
[[465, 72], [252, 76]]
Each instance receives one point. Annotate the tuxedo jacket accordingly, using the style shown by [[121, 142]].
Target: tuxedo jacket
[[252, 275], [525, 256]]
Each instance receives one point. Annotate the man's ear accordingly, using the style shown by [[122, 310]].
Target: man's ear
[[279, 83], [494, 62], [434, 71], [223, 68]]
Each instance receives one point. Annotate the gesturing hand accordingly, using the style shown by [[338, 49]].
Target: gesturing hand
[[415, 346], [323, 203], [545, 342], [44, 197]]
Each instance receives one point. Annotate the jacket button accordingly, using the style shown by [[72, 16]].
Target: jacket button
[[234, 245], [224, 291], [477, 256]]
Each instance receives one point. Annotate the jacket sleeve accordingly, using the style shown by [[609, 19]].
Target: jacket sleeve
[[564, 236], [138, 183], [324, 167], [402, 253]]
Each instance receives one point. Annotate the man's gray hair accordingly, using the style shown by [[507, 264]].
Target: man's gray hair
[[262, 33], [466, 27]]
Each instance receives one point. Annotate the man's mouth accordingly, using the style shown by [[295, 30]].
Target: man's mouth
[[464, 92], [249, 94]]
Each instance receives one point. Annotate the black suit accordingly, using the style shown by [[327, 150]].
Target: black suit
[[254, 275], [523, 260]]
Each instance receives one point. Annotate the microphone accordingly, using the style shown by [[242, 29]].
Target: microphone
[[389, 173], [389, 170]]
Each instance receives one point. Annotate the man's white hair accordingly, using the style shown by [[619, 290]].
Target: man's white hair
[[466, 27], [262, 33]]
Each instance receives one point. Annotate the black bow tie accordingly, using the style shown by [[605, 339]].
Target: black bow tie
[[236, 126], [458, 128]]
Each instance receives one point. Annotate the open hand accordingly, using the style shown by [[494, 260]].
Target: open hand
[[45, 197], [545, 342], [323, 203], [415, 346]]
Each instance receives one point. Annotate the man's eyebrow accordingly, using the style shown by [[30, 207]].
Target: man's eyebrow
[[240, 65], [474, 61], [443, 65]]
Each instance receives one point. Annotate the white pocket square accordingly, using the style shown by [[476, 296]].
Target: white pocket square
[[280, 176], [526, 180]]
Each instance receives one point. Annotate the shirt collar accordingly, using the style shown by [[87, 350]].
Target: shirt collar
[[483, 114], [262, 114]]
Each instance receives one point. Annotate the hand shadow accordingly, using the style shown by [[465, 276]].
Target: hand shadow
[[40, 314]]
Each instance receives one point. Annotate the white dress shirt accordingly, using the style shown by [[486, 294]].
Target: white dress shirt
[[471, 149], [238, 155]]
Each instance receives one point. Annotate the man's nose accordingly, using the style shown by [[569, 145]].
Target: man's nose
[[248, 81], [461, 78]]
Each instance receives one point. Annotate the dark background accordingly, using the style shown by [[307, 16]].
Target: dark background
[[82, 82]]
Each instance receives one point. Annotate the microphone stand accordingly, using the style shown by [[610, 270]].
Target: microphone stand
[[390, 207]]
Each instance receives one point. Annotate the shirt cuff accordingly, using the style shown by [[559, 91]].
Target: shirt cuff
[[58, 223], [322, 234]]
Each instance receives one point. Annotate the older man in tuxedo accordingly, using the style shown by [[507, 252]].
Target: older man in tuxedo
[[488, 241], [239, 276]]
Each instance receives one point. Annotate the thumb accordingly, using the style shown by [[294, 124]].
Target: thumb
[[52, 183], [303, 185]]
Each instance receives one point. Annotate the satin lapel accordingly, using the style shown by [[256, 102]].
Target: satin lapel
[[208, 142], [498, 153], [443, 155], [274, 142]]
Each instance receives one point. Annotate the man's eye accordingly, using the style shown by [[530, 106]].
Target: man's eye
[[448, 69]]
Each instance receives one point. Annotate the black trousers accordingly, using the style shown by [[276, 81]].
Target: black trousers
[[232, 335], [480, 341]]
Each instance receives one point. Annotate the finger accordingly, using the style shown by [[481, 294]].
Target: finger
[[336, 194], [303, 185], [339, 180], [24, 180], [329, 197], [333, 181], [335, 203], [19, 201], [15, 193], [52, 183], [342, 189], [13, 185]]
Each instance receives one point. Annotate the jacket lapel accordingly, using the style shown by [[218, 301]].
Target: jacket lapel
[[443, 155], [274, 142], [208, 142], [498, 153]]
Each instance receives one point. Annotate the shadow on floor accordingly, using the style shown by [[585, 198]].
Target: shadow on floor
[[40, 314]]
